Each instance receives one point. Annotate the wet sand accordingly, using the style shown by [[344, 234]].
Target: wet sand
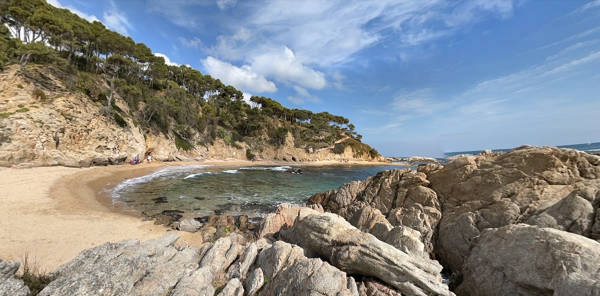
[[53, 213]]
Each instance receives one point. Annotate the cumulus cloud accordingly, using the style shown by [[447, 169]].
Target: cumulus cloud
[[167, 59], [89, 17], [282, 65], [241, 77]]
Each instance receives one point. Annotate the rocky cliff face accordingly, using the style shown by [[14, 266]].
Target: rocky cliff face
[[67, 128]]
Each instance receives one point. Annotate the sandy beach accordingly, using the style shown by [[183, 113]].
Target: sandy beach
[[53, 213]]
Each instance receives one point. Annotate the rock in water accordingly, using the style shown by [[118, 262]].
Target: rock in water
[[9, 284], [545, 186], [330, 236], [189, 225], [528, 260]]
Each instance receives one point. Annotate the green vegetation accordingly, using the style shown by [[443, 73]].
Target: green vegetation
[[250, 155], [105, 65], [359, 148], [22, 110], [182, 144], [120, 121], [34, 277], [5, 114]]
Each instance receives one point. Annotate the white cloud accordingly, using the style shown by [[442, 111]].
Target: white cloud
[[167, 59], [282, 65], [225, 4], [590, 5], [89, 17], [302, 96], [117, 21], [241, 77], [194, 42]]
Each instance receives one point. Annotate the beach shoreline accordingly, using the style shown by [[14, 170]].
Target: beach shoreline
[[51, 214]]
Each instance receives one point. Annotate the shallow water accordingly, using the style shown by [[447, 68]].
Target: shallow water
[[252, 191]]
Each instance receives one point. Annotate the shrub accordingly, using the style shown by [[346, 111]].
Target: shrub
[[34, 277], [39, 94], [23, 110], [120, 121], [278, 136], [182, 144], [250, 155], [338, 148]]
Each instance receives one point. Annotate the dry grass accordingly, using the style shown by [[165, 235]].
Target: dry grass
[[34, 277]]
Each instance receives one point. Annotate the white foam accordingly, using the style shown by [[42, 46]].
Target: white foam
[[169, 170], [231, 171], [276, 169], [198, 175]]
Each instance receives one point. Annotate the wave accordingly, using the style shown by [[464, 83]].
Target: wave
[[276, 169], [167, 171], [198, 175], [231, 171]]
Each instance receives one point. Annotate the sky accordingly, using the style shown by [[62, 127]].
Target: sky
[[416, 77]]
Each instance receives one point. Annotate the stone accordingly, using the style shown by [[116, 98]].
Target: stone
[[400, 197], [544, 186], [189, 225], [233, 288], [10, 285], [284, 216], [528, 260], [196, 283], [287, 271], [254, 281], [241, 267], [329, 236]]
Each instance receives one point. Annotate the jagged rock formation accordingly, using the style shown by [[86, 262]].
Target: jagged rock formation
[[9, 284], [330, 236], [388, 205], [528, 260], [159, 267], [451, 205], [544, 186]]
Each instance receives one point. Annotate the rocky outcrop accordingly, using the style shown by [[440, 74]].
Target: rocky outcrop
[[230, 266], [10, 285], [395, 198], [544, 186], [330, 236], [529, 260]]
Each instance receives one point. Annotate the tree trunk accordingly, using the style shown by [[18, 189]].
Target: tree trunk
[[110, 95], [24, 60]]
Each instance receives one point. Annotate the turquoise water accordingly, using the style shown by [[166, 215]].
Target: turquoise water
[[253, 191]]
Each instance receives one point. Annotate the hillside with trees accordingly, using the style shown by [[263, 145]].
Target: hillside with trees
[[59, 54]]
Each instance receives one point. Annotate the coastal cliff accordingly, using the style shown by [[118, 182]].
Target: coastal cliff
[[66, 127]]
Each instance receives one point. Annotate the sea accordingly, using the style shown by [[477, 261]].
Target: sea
[[252, 190]]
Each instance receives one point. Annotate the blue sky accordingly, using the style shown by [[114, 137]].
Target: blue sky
[[417, 77]]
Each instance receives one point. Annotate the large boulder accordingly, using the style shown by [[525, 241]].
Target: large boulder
[[528, 260], [10, 285], [544, 186], [331, 237], [287, 271], [402, 197]]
